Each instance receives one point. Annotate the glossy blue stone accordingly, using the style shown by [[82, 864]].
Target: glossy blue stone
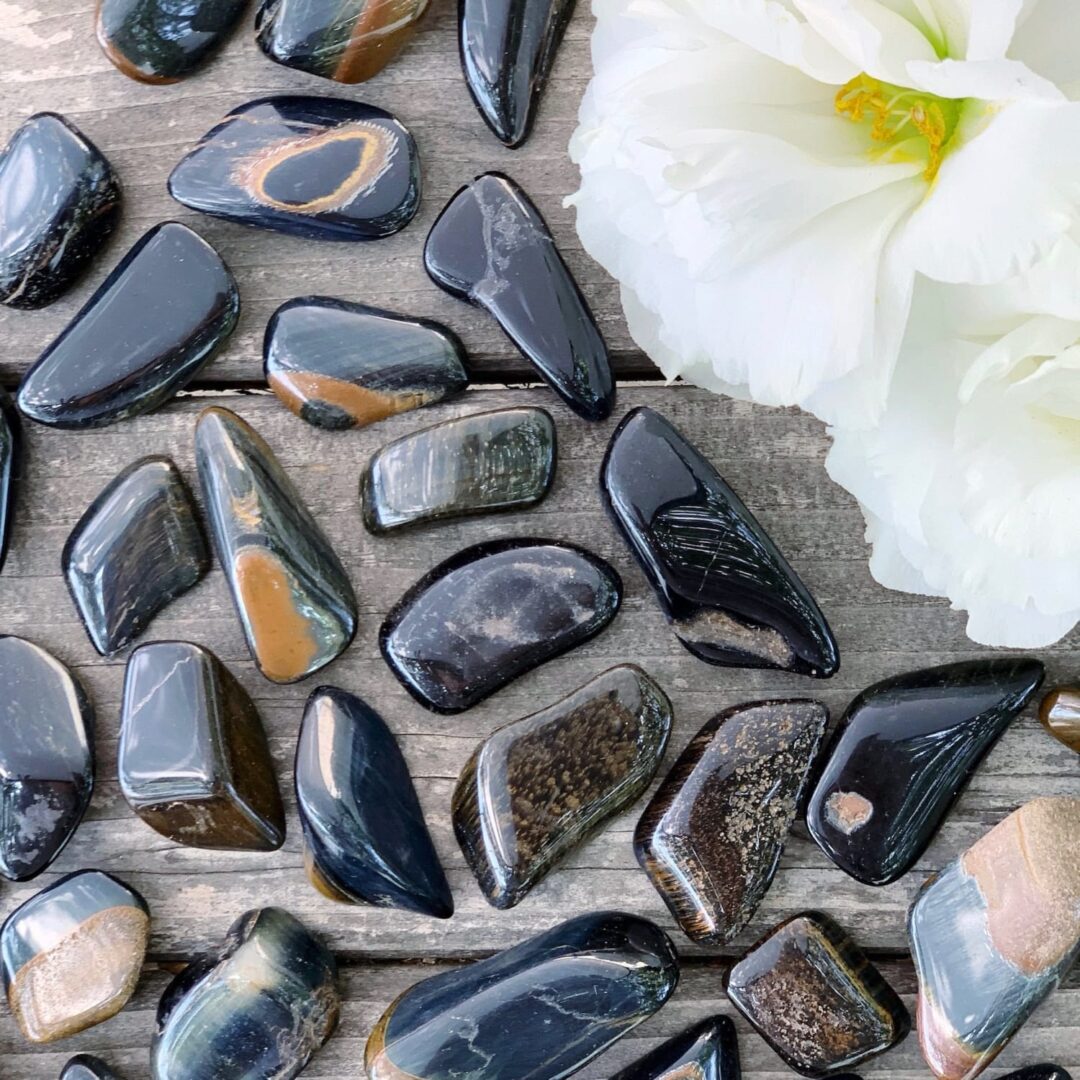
[[707, 1051], [87, 1067]]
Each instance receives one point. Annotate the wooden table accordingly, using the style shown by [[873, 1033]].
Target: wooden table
[[49, 60]]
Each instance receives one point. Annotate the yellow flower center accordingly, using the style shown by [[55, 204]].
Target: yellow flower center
[[909, 124]]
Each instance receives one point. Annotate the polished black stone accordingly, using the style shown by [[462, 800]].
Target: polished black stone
[[161, 41], [476, 464], [46, 757], [292, 594], [491, 247], [155, 321], [1043, 1071], [137, 548], [544, 1008], [194, 762], [260, 1008], [340, 365], [902, 755], [730, 596], [11, 449], [87, 1067], [365, 836], [707, 1051], [59, 202], [323, 168], [506, 52], [492, 612]]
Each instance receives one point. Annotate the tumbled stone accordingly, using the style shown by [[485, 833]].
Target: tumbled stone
[[365, 839], [194, 763], [492, 612], [1060, 715], [161, 41], [993, 933], [540, 786], [339, 365], [59, 202], [87, 1067], [46, 757], [902, 754], [711, 838], [491, 247], [729, 595], [501, 460], [348, 41], [291, 592], [135, 550], [707, 1051], [1039, 1072], [814, 997], [544, 1008], [152, 324], [11, 443], [322, 168], [506, 53], [73, 953], [261, 1008]]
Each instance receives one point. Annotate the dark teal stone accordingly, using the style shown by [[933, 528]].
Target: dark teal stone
[[136, 549], [506, 52], [87, 1067], [365, 835], [339, 365], [322, 168], [163, 312], [292, 594], [707, 1051], [902, 754], [492, 612], [542, 1009], [491, 247], [161, 41], [46, 757], [59, 203], [728, 593], [11, 452], [260, 1008], [478, 464]]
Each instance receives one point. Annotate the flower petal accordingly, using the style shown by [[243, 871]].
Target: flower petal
[[986, 80], [1047, 40]]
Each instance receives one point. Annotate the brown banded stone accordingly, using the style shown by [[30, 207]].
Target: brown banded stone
[[1060, 715]]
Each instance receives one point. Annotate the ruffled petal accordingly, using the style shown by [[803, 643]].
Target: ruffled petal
[[1047, 41], [986, 80]]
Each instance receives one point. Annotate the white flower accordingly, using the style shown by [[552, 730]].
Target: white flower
[[971, 482], [767, 178]]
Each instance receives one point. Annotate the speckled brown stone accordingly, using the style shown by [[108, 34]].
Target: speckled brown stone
[[1060, 715]]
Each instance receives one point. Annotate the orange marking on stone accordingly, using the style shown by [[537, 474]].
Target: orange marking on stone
[[297, 388]]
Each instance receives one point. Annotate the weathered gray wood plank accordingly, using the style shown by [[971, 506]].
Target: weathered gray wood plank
[[50, 60]]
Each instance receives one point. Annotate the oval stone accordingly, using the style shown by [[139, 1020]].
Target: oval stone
[[87, 1067]]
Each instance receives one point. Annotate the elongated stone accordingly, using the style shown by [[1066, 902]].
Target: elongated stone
[[1059, 712], [492, 612], [501, 460], [339, 365], [322, 168], [507, 52], [1039, 1072], [87, 1067], [59, 202], [260, 1008], [160, 41], [291, 592], [154, 322], [11, 452], [582, 985], [194, 763], [135, 550], [72, 954], [540, 786], [364, 832], [349, 41], [902, 755], [491, 247], [46, 757], [711, 838], [730, 596], [707, 1051], [815, 998], [993, 934]]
